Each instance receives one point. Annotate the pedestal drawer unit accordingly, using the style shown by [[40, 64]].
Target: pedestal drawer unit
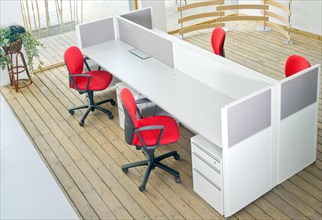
[[207, 171]]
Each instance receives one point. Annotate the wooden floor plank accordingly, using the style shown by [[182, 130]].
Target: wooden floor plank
[[270, 209], [284, 206], [295, 202]]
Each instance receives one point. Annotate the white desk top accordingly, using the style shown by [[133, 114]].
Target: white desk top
[[115, 57], [190, 101]]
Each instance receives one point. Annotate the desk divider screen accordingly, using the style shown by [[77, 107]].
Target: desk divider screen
[[233, 81], [299, 92], [95, 32], [249, 117], [146, 40], [141, 17]]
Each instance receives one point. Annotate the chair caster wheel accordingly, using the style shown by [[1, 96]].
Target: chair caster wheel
[[71, 112], [81, 123], [110, 116], [125, 170], [176, 156], [141, 188], [113, 103], [178, 179]]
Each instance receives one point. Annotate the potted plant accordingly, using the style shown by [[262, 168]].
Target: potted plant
[[11, 40]]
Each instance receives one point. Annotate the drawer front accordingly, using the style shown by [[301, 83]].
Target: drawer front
[[208, 170], [208, 191], [211, 159]]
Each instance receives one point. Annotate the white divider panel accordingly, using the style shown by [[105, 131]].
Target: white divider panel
[[247, 150], [217, 72], [95, 32], [146, 40], [298, 124], [299, 92], [141, 17]]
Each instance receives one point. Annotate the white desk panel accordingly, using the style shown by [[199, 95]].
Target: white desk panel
[[233, 81], [190, 101]]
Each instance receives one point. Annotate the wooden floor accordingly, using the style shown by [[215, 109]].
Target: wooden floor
[[86, 160]]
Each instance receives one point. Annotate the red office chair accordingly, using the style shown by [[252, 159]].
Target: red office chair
[[294, 64], [148, 134], [86, 82], [217, 41]]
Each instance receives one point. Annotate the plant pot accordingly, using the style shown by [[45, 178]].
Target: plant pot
[[15, 47]]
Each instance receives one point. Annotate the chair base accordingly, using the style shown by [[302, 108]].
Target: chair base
[[91, 107], [151, 163]]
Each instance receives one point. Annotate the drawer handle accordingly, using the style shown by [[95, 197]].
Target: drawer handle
[[206, 162], [203, 150], [211, 182]]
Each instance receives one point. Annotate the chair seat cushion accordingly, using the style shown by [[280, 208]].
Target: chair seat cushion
[[100, 80], [170, 135]]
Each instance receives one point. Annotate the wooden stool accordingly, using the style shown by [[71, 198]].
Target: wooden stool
[[15, 70]]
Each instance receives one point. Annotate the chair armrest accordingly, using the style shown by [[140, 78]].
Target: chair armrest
[[149, 128], [71, 78], [86, 64]]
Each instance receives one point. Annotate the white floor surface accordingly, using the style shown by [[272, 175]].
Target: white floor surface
[[28, 189]]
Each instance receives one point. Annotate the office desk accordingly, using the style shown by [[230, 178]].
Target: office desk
[[190, 101]]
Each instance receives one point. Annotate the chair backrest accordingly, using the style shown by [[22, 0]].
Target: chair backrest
[[217, 41], [74, 61], [130, 122], [295, 64]]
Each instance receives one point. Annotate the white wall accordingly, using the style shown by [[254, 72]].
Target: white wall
[[158, 11], [306, 14], [10, 13]]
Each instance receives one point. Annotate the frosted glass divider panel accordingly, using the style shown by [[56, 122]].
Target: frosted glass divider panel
[[95, 32], [217, 72], [146, 40], [141, 17], [249, 117], [247, 150], [299, 91]]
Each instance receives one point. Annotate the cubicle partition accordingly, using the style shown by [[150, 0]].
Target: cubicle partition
[[247, 149], [141, 17], [262, 130], [217, 72], [97, 32], [299, 95], [146, 40]]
